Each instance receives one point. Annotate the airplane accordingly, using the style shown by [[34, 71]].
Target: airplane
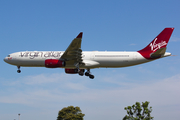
[[76, 61]]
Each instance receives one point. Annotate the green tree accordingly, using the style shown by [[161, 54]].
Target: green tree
[[138, 112], [70, 113]]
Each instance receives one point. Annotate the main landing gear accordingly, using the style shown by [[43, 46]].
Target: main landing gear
[[81, 73], [88, 73], [19, 71]]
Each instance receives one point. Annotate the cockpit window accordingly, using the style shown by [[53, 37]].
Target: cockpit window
[[8, 56]]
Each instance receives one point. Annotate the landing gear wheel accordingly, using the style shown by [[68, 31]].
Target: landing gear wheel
[[87, 74], [81, 73], [91, 76], [19, 71]]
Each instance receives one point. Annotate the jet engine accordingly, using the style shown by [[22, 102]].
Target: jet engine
[[73, 71], [54, 63]]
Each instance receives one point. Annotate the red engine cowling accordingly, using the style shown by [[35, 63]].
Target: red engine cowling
[[73, 71], [54, 63]]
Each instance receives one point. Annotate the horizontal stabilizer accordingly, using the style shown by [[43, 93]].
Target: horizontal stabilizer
[[158, 53]]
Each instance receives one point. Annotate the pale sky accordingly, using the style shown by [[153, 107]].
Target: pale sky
[[39, 93]]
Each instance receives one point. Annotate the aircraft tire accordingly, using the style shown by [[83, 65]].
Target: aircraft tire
[[81, 73], [91, 76], [19, 71], [87, 74]]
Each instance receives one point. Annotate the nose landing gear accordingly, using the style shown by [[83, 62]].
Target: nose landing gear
[[18, 71]]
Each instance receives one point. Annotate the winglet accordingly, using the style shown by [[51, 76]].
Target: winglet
[[80, 35]]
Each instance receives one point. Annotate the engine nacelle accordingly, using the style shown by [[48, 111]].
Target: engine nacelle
[[73, 71], [54, 63]]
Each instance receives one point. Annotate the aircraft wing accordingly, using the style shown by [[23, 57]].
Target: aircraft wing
[[74, 52]]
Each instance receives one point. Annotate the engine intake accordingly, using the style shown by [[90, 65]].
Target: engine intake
[[54, 63]]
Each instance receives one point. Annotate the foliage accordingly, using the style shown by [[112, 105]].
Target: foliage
[[138, 112], [70, 113]]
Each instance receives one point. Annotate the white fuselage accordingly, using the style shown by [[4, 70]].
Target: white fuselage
[[92, 59]]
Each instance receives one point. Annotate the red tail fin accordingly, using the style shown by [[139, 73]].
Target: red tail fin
[[160, 41]]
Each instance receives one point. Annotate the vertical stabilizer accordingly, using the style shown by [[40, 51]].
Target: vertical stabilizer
[[158, 46]]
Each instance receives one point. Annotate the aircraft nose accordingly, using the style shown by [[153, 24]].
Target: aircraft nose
[[5, 59]]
